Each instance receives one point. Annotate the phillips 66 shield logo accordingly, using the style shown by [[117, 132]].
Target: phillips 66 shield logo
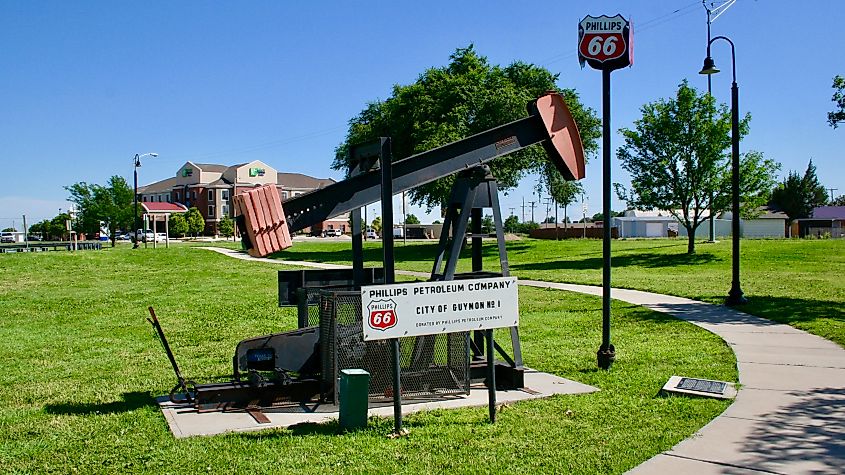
[[382, 314], [605, 42]]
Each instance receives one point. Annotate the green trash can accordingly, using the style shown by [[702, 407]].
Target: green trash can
[[353, 397]]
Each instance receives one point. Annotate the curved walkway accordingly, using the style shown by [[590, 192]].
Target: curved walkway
[[789, 415]]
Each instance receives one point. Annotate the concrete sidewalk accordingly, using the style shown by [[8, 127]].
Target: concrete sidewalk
[[789, 415]]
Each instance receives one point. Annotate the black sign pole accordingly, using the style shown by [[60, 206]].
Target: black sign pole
[[606, 353], [389, 273], [491, 377]]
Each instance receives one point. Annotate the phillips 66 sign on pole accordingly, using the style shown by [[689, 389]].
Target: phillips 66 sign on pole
[[605, 43]]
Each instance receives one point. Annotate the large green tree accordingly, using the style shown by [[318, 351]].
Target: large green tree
[[797, 196], [678, 155], [111, 204], [465, 97], [837, 115]]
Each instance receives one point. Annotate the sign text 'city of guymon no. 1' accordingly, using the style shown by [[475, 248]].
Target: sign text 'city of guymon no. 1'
[[428, 308]]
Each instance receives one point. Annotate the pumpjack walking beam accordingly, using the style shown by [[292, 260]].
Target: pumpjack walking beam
[[550, 123]]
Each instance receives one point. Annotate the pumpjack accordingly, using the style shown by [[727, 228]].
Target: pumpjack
[[302, 365]]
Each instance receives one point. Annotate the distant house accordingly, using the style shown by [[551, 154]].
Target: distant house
[[770, 223], [826, 221], [650, 223]]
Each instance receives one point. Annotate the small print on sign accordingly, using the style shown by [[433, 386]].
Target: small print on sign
[[605, 42], [382, 314]]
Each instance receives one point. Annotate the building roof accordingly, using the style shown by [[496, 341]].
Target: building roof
[[829, 212], [767, 212], [161, 207], [222, 182], [298, 180], [158, 187], [213, 167]]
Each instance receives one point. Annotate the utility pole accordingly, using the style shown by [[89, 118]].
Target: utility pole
[[512, 210], [831, 193], [533, 205], [25, 233], [523, 210]]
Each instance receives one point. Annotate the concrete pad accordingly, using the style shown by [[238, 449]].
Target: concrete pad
[[185, 421]]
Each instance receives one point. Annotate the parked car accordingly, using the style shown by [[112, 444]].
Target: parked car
[[332, 233], [124, 237], [7, 237], [35, 237], [371, 234], [141, 236], [161, 237]]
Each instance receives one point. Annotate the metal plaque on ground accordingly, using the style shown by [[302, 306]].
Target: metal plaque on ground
[[700, 387], [428, 308]]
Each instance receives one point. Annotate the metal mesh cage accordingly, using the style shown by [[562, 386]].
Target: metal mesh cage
[[432, 366]]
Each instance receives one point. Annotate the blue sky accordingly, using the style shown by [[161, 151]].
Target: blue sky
[[86, 85]]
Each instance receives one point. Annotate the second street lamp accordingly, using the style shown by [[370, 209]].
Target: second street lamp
[[735, 296], [135, 220]]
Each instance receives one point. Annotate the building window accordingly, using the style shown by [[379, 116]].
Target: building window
[[225, 210], [210, 211], [144, 199], [224, 195], [168, 198], [284, 195], [177, 197], [210, 195], [193, 195]]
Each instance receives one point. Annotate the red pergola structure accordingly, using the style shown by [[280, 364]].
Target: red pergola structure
[[155, 211]]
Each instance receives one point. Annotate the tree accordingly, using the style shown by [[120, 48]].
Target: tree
[[466, 97], [195, 221], [51, 228], [178, 225], [412, 219], [10, 230], [376, 225], [111, 204], [511, 224], [226, 228], [797, 196], [562, 191], [679, 161], [600, 216], [838, 201], [837, 115], [487, 224]]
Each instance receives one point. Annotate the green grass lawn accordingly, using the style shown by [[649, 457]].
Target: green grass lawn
[[798, 282], [81, 369]]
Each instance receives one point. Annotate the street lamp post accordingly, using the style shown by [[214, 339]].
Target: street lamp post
[[135, 220], [735, 296]]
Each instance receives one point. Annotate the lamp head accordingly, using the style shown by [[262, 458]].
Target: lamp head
[[709, 67], [154, 155]]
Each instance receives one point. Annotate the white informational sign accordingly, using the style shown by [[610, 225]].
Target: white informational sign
[[428, 308]]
